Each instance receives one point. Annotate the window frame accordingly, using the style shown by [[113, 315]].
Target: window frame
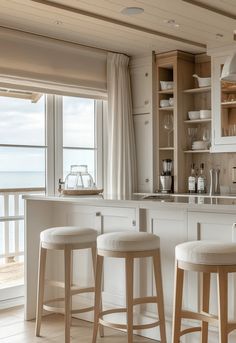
[[55, 151], [54, 142]]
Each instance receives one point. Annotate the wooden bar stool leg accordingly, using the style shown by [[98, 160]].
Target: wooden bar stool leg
[[98, 296], [160, 296], [129, 269], [222, 279], [178, 297], [206, 278], [67, 266], [40, 291], [94, 257]]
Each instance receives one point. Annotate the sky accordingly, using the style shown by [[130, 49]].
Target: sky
[[23, 122]]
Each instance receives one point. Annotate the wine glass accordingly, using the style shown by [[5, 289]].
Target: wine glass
[[168, 125], [206, 136], [192, 134]]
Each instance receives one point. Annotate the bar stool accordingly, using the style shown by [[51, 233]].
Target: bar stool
[[66, 238], [206, 257], [129, 245]]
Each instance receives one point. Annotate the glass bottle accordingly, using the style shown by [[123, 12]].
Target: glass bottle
[[192, 180], [201, 180]]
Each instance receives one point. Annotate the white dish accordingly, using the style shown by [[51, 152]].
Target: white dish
[[203, 81], [164, 103], [171, 101], [199, 145], [193, 115], [205, 114], [166, 85]]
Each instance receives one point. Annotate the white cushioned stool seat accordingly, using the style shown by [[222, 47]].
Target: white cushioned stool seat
[[128, 241], [207, 252], [68, 235]]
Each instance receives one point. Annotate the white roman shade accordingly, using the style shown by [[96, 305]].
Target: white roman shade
[[52, 66]]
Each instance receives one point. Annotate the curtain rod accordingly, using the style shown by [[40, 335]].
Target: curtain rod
[[59, 40]]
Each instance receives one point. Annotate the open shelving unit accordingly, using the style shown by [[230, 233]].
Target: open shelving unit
[[173, 66], [179, 68]]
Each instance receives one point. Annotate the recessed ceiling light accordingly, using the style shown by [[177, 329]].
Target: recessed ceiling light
[[132, 10], [58, 22], [172, 23]]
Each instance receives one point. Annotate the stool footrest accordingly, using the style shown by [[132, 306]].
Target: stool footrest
[[75, 289], [123, 326], [190, 330], [57, 309], [145, 300], [206, 317]]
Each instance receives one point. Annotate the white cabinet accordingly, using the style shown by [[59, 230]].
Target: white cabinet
[[210, 226], [171, 227], [113, 219], [223, 109], [144, 151], [141, 83], [105, 220], [43, 214], [143, 97]]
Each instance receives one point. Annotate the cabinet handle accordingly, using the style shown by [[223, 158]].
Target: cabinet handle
[[98, 214], [146, 74], [133, 222], [146, 122], [146, 102], [146, 180]]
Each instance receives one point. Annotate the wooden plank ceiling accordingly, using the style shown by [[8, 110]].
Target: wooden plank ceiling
[[101, 23]]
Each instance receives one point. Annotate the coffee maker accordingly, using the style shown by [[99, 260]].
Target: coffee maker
[[166, 177]]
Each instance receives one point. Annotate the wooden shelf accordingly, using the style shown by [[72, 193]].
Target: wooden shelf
[[197, 90], [229, 104], [166, 91], [196, 151], [229, 90], [166, 108], [208, 120], [167, 148]]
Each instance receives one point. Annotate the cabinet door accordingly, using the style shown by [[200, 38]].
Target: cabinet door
[[115, 219], [141, 83], [223, 109], [217, 227], [171, 227], [144, 149], [105, 220]]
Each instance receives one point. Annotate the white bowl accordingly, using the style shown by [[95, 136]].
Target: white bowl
[[193, 115], [164, 103], [171, 101], [203, 81], [199, 145], [166, 85], [205, 114]]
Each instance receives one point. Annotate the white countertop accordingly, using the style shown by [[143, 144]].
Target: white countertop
[[150, 200]]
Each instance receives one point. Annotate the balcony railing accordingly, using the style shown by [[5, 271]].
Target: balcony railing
[[12, 222]]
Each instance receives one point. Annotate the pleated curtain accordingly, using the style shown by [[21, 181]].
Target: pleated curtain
[[121, 158]]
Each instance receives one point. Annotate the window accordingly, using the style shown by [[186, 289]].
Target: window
[[79, 134], [82, 135], [22, 143]]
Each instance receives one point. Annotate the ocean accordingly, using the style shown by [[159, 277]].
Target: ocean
[[26, 179]]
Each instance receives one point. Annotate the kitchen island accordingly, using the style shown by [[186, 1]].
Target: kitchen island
[[175, 219]]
